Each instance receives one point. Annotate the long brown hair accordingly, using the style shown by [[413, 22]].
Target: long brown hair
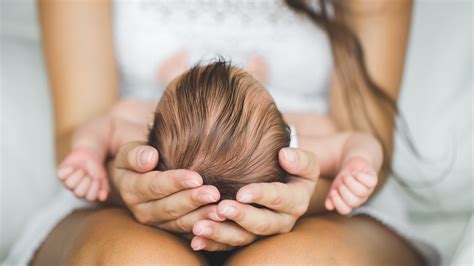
[[351, 72]]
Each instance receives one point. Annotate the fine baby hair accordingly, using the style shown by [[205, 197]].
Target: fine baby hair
[[219, 121]]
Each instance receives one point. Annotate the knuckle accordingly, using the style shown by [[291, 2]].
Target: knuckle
[[299, 210], [156, 190], [240, 240], [276, 200], [142, 217], [287, 224], [262, 228], [170, 210], [276, 195], [181, 225]]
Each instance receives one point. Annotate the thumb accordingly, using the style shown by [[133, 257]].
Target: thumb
[[299, 163], [136, 156]]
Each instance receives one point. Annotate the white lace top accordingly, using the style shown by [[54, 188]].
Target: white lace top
[[296, 51]]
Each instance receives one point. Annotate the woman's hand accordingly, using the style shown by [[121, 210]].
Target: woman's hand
[[171, 200], [284, 203]]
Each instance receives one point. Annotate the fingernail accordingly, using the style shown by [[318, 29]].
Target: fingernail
[[197, 245], [204, 231], [207, 198], [246, 198], [191, 183], [215, 217], [145, 157], [64, 170], [290, 155], [229, 211]]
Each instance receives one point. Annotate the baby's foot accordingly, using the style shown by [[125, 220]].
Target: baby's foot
[[172, 67], [257, 66], [352, 186], [83, 173]]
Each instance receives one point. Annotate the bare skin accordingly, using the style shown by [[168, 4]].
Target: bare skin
[[81, 93]]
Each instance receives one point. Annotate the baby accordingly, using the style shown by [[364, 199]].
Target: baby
[[219, 121]]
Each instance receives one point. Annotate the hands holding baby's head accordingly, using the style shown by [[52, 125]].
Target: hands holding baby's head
[[177, 201], [172, 200]]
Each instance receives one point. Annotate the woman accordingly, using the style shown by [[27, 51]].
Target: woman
[[81, 61]]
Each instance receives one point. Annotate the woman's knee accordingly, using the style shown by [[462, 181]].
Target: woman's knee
[[329, 241], [112, 237]]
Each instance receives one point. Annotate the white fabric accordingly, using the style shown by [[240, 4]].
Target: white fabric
[[465, 251], [297, 52], [293, 137]]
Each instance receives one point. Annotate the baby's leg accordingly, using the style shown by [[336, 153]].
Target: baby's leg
[[352, 186]]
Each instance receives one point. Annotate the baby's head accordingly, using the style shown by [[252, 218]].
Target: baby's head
[[219, 121]]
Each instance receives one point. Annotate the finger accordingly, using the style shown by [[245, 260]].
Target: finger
[[95, 169], [157, 185], [300, 163], [339, 204], [93, 190], [176, 205], [83, 186], [349, 198], [277, 196], [225, 233], [201, 243], [328, 204], [64, 171], [136, 157], [74, 179], [355, 186], [104, 189], [185, 223], [257, 221], [367, 179]]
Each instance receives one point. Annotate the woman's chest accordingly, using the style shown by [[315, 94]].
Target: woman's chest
[[296, 52]]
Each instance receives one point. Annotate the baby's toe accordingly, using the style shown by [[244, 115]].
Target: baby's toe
[[73, 180], [81, 189], [93, 191], [355, 186], [368, 180], [349, 198]]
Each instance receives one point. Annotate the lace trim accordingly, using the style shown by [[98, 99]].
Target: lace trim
[[246, 11]]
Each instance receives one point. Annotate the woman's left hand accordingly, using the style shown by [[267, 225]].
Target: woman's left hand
[[284, 203]]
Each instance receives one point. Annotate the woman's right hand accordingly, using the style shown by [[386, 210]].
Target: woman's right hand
[[172, 200]]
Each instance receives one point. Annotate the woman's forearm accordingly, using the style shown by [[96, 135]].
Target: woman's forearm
[[82, 75]]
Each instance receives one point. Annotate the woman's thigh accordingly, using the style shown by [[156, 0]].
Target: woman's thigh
[[331, 240], [112, 237]]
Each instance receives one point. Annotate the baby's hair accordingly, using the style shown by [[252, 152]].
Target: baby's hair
[[219, 121]]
